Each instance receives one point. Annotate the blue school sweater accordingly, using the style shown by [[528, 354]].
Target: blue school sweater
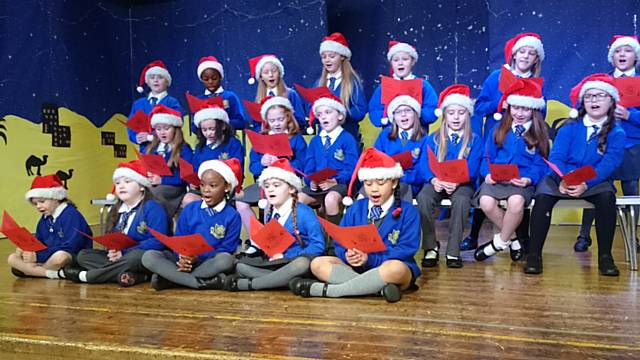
[[482, 121], [429, 104], [310, 233], [514, 151], [144, 104], [299, 148], [298, 111], [571, 151], [341, 156], [231, 149], [221, 229], [631, 126], [401, 235], [357, 106], [185, 153], [232, 105], [412, 176], [61, 234], [474, 154], [151, 215]]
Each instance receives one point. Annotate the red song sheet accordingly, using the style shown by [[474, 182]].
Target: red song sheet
[[276, 144], [272, 238], [20, 236], [364, 237], [452, 171], [187, 245]]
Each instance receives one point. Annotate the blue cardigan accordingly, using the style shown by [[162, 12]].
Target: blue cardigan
[[310, 232], [63, 235], [413, 176], [342, 156], [231, 149], [152, 215], [474, 154], [144, 105], [232, 105]]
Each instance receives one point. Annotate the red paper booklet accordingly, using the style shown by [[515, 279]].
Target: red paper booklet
[[392, 87], [364, 237], [405, 159], [20, 236], [575, 177], [187, 245], [154, 164], [504, 172], [629, 88], [188, 174], [112, 241], [322, 175], [272, 238], [453, 171], [254, 110], [276, 144], [139, 122]]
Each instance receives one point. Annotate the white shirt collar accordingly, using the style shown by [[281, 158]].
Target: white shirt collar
[[408, 77], [214, 143], [515, 72], [124, 207], [337, 75], [163, 148], [631, 72], [63, 205], [526, 125], [333, 134], [588, 122], [284, 211], [409, 132], [160, 96], [274, 90], [385, 207], [219, 91], [217, 208], [459, 132]]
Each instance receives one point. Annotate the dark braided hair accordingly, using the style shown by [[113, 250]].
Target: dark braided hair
[[294, 218], [398, 210], [606, 127], [223, 133]]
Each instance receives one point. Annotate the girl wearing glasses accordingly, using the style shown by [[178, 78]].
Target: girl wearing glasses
[[595, 139]]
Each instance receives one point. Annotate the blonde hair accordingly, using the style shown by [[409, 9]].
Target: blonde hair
[[443, 136], [536, 68], [349, 76], [292, 125], [176, 146]]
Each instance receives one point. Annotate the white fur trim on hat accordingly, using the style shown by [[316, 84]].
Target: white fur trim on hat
[[458, 99], [403, 100], [532, 41], [626, 40], [157, 70], [402, 47], [56, 193], [600, 85], [330, 45], [325, 101], [380, 173], [131, 174], [221, 168], [214, 113], [276, 100], [273, 172], [526, 101], [262, 62], [210, 65], [166, 119]]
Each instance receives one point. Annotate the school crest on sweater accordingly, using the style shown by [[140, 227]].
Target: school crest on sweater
[[393, 236], [218, 231], [339, 155], [142, 227], [415, 153], [225, 103], [223, 156]]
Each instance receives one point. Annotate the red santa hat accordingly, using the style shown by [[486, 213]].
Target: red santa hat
[[256, 64], [623, 40], [400, 92], [372, 165], [455, 94], [207, 109], [337, 43], [523, 92], [525, 39], [396, 47], [156, 67], [600, 81], [281, 169], [164, 115], [47, 187], [210, 62], [269, 101], [230, 170], [134, 170], [320, 96]]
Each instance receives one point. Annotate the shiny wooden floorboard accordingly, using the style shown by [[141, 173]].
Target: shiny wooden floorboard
[[485, 310]]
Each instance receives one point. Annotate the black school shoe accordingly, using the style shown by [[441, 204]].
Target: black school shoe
[[302, 286], [607, 267], [533, 265], [454, 263], [214, 283], [468, 243], [20, 274], [434, 261], [72, 273], [582, 243], [517, 255], [479, 255], [391, 293], [160, 283]]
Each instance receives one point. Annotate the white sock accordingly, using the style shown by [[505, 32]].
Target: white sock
[[498, 243], [52, 274], [431, 254], [83, 276], [451, 257], [515, 245], [251, 249]]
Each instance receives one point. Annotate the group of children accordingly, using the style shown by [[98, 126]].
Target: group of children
[[504, 126]]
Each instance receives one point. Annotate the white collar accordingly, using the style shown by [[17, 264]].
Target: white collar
[[274, 90], [286, 131], [408, 77], [515, 72], [631, 72], [124, 208], [526, 125], [160, 96], [209, 143], [337, 75], [59, 210], [410, 132], [333, 134], [385, 207], [284, 211], [219, 91], [217, 208], [162, 147], [459, 132], [588, 122]]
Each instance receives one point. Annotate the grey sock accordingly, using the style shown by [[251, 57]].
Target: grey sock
[[368, 283], [281, 277], [341, 273]]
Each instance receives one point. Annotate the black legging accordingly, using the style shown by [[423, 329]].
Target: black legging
[[605, 209]]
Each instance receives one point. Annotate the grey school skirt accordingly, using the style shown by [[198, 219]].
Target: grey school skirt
[[340, 189], [501, 191], [549, 186], [251, 194]]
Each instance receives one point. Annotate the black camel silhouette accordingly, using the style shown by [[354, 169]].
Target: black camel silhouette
[[34, 161], [64, 176]]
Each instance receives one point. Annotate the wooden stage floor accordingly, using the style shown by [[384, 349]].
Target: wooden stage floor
[[485, 310]]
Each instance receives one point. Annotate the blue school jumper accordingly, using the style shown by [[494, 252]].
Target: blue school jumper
[[231, 149], [220, 229], [412, 176], [298, 111], [357, 107], [571, 151], [473, 153], [144, 104], [429, 104], [62, 234], [151, 215], [514, 151], [232, 105], [299, 148], [400, 235], [629, 169], [482, 121], [341, 156], [185, 153], [310, 233]]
